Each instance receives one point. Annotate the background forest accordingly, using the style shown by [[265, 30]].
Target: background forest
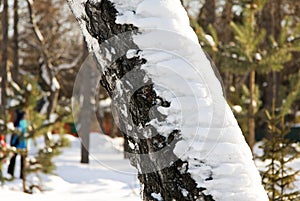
[[254, 44]]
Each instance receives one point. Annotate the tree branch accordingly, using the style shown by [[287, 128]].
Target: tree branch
[[67, 66]]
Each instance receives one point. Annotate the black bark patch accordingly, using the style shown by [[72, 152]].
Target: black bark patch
[[101, 20]]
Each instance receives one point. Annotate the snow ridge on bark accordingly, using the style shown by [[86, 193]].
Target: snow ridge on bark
[[218, 157]]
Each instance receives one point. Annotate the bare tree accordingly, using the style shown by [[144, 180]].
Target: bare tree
[[49, 62], [207, 14], [4, 57], [85, 115], [15, 71]]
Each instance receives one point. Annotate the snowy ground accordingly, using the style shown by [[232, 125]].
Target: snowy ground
[[107, 177]]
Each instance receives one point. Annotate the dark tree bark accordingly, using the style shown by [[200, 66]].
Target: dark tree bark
[[85, 125], [271, 18], [15, 70], [4, 57], [207, 15], [225, 35], [86, 113], [251, 119], [223, 24]]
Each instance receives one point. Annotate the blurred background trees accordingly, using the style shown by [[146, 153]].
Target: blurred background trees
[[255, 46], [39, 60], [42, 50]]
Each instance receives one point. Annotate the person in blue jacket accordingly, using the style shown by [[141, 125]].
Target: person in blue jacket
[[18, 141]]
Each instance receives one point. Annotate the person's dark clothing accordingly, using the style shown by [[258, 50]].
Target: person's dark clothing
[[11, 167], [18, 141]]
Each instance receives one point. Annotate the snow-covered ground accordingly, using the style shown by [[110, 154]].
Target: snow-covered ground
[[107, 177]]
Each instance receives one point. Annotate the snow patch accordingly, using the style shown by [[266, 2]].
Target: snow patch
[[45, 75], [13, 102], [55, 85], [29, 87], [210, 40], [75, 181], [157, 196], [105, 103]]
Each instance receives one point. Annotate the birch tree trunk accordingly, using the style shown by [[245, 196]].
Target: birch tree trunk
[[182, 136]]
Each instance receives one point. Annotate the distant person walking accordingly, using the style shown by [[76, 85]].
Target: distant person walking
[[18, 140]]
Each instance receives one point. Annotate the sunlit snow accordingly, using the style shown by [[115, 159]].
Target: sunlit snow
[[107, 177]]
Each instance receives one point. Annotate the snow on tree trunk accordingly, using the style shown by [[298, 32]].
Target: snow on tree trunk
[[182, 136]]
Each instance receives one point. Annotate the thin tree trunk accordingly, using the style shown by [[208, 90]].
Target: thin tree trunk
[[271, 20], [4, 58], [15, 71], [277, 18], [85, 115], [223, 25], [53, 99], [251, 123], [85, 126], [207, 15], [225, 34]]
